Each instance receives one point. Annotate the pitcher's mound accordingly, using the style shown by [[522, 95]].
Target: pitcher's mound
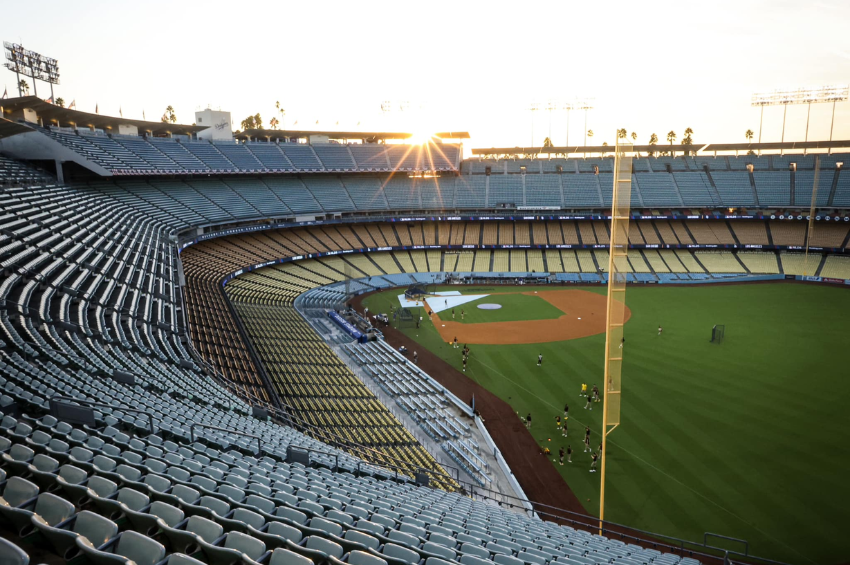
[[489, 306]]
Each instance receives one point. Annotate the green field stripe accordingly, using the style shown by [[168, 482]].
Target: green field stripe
[[747, 438]]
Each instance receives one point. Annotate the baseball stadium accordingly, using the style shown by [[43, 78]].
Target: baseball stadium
[[366, 346]]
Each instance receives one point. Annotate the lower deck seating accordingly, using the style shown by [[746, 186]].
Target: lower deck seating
[[306, 373]]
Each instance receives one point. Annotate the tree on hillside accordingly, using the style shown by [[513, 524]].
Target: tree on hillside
[[248, 123], [60, 102], [169, 116]]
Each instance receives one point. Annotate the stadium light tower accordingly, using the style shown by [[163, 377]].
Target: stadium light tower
[[534, 107], [578, 104], [551, 105], [32, 64], [817, 95]]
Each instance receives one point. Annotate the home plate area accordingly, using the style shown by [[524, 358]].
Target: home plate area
[[444, 300]]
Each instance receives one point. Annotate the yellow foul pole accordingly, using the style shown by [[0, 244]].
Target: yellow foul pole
[[618, 266], [811, 229]]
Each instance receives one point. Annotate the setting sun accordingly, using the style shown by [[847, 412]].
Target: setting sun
[[420, 137]]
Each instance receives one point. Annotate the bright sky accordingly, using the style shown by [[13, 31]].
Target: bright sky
[[651, 66]]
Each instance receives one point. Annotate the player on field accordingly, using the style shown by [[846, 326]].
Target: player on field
[[464, 363], [659, 329], [528, 421], [569, 454], [564, 431], [561, 453], [540, 360], [594, 457], [566, 411], [587, 444], [589, 401], [583, 390], [557, 421], [453, 313], [415, 358], [455, 342], [596, 393], [462, 313]]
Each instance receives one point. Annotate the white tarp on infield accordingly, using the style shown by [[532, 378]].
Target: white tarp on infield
[[445, 300]]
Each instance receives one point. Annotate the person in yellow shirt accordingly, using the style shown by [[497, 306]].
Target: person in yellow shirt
[[583, 389]]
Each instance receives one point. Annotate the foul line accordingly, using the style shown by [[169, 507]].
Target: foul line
[[648, 464]]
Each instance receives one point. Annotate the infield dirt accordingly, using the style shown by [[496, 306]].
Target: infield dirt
[[584, 315]]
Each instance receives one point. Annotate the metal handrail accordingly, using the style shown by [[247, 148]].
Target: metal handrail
[[194, 424], [706, 535], [593, 523], [59, 399], [310, 450]]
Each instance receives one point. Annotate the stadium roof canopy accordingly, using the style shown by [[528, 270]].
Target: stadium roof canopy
[[361, 135], [51, 114], [9, 128], [699, 148]]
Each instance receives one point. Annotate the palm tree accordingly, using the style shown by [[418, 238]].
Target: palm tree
[[169, 116], [634, 136], [671, 137], [60, 102], [749, 135], [547, 142], [258, 121], [622, 133], [282, 113], [653, 140], [273, 123], [24, 87], [688, 139]]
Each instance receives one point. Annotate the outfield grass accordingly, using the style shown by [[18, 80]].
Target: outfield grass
[[747, 439], [515, 306]]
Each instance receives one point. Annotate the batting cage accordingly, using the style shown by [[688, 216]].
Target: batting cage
[[418, 291], [407, 318]]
